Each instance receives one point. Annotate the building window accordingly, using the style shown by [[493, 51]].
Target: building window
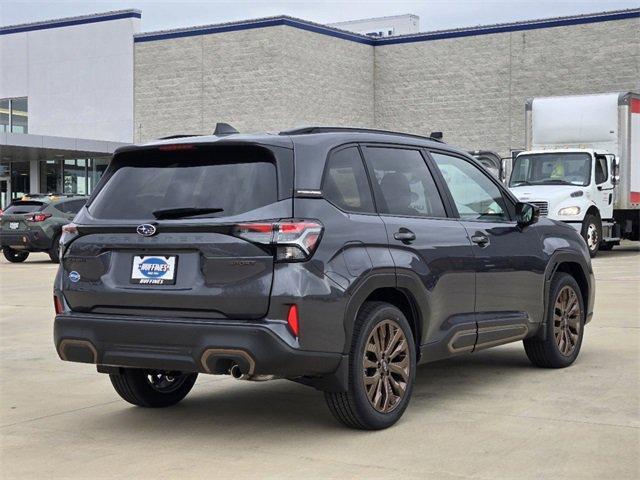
[[14, 115]]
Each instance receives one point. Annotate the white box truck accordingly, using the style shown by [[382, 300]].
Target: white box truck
[[582, 164]]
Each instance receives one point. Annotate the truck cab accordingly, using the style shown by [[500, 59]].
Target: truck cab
[[575, 186], [581, 164]]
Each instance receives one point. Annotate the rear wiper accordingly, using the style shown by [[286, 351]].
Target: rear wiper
[[517, 183], [182, 212]]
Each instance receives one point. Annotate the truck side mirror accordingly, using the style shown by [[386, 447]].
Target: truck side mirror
[[614, 165], [526, 214]]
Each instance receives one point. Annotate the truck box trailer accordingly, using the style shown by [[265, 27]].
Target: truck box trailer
[[582, 164]]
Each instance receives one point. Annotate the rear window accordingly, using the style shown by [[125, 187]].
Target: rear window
[[23, 207], [230, 180], [71, 206]]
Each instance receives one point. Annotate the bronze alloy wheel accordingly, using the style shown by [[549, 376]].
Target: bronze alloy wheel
[[567, 317], [386, 365]]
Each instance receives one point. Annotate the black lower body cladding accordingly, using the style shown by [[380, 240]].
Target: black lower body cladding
[[33, 239], [258, 348]]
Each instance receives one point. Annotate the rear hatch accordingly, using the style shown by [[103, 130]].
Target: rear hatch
[[13, 220], [159, 238]]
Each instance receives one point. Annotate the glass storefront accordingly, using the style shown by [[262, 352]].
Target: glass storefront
[[50, 176], [77, 176]]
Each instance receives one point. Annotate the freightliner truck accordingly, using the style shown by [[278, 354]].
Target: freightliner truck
[[582, 164]]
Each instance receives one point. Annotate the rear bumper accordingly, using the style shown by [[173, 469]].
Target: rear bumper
[[33, 239], [187, 346]]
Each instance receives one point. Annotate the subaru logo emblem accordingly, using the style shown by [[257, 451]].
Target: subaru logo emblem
[[146, 229]]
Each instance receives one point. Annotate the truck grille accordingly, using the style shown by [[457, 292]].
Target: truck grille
[[543, 206]]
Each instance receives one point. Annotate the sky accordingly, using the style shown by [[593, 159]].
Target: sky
[[434, 14]]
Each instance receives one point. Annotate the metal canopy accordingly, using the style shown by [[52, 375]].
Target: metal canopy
[[19, 147]]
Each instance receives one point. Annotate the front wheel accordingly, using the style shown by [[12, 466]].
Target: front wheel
[[14, 256], [592, 233], [152, 388], [564, 324], [382, 365]]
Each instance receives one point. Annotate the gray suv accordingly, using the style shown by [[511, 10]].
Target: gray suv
[[338, 258]]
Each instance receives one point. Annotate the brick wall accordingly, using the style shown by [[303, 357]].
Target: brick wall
[[264, 79], [472, 88]]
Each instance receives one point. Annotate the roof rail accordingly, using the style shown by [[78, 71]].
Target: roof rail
[[309, 130]]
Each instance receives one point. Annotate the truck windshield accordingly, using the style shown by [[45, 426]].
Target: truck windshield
[[551, 169]]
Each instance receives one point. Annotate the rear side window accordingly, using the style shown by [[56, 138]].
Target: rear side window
[[345, 183], [24, 207], [231, 180], [404, 182], [72, 206]]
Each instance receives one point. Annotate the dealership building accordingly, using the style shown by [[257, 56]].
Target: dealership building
[[72, 90]]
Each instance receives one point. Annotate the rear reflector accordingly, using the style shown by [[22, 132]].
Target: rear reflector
[[292, 319], [57, 304]]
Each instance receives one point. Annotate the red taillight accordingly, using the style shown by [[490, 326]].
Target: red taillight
[[37, 217], [292, 319], [57, 304], [294, 239]]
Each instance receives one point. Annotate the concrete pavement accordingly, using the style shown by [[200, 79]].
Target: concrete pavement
[[486, 415]]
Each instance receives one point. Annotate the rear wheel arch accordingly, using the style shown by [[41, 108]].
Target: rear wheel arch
[[404, 301], [382, 287]]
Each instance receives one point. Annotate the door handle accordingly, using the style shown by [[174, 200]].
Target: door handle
[[404, 235], [480, 239]]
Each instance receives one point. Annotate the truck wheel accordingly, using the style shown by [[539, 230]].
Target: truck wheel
[[152, 388], [565, 326], [592, 233], [54, 252], [15, 256], [382, 364]]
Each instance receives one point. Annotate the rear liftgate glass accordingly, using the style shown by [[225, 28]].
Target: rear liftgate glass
[[182, 232]]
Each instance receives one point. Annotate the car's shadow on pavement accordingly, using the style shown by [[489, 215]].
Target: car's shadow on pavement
[[241, 406]]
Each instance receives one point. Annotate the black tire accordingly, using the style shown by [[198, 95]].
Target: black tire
[[592, 233], [54, 252], [547, 353], [353, 408], [14, 256], [134, 386], [607, 246]]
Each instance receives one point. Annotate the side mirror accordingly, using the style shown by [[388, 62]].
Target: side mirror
[[614, 166], [526, 214]]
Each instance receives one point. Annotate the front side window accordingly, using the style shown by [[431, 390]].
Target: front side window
[[476, 197], [551, 169], [345, 183], [404, 182], [601, 170]]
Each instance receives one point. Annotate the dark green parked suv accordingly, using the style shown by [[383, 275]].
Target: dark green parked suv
[[34, 224]]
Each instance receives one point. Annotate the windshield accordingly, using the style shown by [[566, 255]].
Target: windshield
[[551, 169], [150, 185]]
